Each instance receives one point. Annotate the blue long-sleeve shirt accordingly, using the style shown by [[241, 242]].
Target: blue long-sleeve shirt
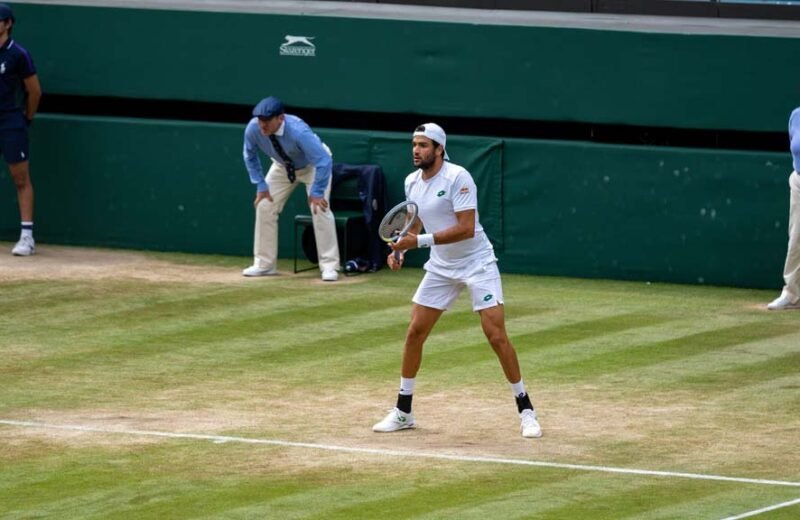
[[299, 142], [794, 138]]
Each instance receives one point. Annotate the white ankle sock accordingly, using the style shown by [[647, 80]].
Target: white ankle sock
[[407, 385], [518, 388], [27, 229]]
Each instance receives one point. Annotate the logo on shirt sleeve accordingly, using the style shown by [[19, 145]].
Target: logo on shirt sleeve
[[464, 190]]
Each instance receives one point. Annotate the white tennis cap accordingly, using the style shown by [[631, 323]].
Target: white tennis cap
[[433, 132]]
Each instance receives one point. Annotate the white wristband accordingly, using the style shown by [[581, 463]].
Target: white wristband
[[425, 240]]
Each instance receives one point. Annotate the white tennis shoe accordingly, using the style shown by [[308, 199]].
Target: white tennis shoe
[[784, 302], [330, 275], [395, 420], [254, 270], [530, 425], [25, 247]]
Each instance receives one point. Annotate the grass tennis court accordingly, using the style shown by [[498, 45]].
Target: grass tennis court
[[140, 385]]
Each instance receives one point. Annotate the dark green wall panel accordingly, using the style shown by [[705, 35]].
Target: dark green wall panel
[[640, 213], [528, 73]]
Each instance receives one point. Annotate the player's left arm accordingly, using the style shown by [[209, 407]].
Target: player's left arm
[[34, 90], [464, 229], [315, 152]]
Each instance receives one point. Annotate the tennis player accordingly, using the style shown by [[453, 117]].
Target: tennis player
[[461, 256]]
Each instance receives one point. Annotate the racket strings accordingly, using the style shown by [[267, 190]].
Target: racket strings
[[393, 225], [398, 221]]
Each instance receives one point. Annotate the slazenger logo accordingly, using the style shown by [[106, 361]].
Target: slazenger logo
[[440, 194], [298, 46]]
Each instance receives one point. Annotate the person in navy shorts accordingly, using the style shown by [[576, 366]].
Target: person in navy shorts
[[20, 93]]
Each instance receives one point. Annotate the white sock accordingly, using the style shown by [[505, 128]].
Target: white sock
[[407, 385], [27, 229], [518, 388]]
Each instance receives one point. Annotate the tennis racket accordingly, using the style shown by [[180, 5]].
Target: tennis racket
[[397, 222]]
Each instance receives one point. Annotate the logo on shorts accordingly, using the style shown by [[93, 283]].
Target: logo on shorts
[[488, 297], [298, 46], [440, 194]]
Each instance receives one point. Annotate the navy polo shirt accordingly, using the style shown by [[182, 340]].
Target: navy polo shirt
[[16, 64]]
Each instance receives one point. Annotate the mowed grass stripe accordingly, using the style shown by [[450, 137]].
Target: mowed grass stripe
[[158, 482], [124, 309], [593, 328], [753, 372], [737, 358], [778, 398], [478, 353], [29, 299], [448, 498], [634, 357], [155, 362], [639, 501], [376, 352], [175, 326], [339, 349]]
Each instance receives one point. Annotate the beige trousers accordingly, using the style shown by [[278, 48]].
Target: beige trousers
[[791, 270], [265, 243]]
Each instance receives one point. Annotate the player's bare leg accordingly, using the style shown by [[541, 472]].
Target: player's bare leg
[[493, 324], [422, 321], [494, 327]]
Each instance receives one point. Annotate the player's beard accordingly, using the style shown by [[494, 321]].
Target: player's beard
[[426, 162]]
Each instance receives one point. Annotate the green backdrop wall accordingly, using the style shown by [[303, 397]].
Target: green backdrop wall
[[434, 68], [562, 208]]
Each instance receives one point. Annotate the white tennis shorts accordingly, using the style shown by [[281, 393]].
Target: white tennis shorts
[[440, 292]]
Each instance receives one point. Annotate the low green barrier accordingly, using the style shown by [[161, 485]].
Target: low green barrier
[[558, 208]]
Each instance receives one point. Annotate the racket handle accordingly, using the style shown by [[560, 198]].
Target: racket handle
[[397, 253]]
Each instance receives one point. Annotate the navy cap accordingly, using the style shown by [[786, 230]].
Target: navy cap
[[268, 107], [6, 13]]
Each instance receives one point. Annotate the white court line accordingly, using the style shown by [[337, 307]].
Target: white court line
[[398, 453], [764, 510]]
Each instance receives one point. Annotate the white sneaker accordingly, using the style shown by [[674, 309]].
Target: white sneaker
[[330, 275], [395, 420], [257, 271], [784, 301], [529, 425], [25, 247]]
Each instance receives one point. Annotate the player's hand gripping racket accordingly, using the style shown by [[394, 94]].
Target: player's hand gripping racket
[[397, 222]]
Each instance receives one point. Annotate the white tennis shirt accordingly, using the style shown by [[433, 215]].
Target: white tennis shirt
[[439, 199]]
